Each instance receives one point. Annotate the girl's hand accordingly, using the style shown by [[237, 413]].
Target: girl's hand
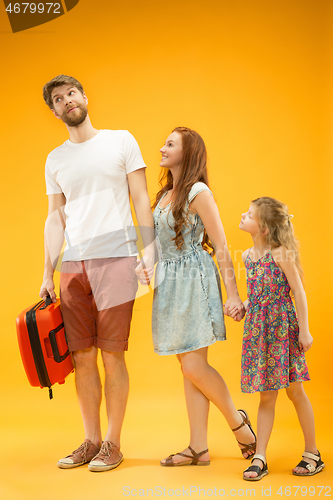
[[233, 303], [238, 317], [305, 341], [232, 313], [234, 308]]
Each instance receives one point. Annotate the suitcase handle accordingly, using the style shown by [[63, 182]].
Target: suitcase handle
[[48, 301], [54, 345]]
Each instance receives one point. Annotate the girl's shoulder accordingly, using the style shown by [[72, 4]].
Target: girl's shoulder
[[282, 254], [245, 254], [197, 188]]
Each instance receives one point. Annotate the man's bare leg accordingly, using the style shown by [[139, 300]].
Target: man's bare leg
[[89, 392], [116, 393]]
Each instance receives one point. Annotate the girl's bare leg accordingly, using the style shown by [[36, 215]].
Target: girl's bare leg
[[266, 415], [305, 415]]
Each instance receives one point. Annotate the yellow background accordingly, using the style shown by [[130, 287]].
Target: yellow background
[[254, 79]]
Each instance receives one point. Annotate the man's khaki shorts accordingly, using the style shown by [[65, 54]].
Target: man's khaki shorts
[[97, 298]]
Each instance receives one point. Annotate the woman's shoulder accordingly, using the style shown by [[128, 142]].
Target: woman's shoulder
[[197, 188]]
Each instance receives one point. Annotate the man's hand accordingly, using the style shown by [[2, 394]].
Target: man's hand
[[53, 240], [144, 273], [47, 288]]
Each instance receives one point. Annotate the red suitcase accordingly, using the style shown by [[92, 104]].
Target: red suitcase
[[43, 345]]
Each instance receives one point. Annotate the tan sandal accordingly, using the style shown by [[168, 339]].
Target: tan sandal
[[193, 459], [311, 468], [261, 472], [246, 447]]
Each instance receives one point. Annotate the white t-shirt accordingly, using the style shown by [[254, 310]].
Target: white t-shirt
[[92, 176]]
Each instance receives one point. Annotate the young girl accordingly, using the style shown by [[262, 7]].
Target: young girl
[[187, 307], [274, 339]]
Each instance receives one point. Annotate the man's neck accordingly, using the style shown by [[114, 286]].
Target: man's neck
[[83, 132]]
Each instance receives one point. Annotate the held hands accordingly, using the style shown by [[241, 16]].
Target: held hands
[[47, 288], [234, 308], [305, 341], [145, 270]]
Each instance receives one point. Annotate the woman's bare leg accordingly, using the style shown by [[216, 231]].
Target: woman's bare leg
[[202, 384]]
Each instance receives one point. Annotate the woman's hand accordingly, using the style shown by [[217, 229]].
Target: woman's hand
[[144, 273], [234, 308]]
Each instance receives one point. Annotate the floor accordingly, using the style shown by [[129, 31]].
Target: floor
[[36, 432]]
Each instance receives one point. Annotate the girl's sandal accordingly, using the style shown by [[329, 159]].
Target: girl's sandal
[[311, 468], [255, 468], [251, 446], [193, 459]]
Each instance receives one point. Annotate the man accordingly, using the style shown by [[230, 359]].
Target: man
[[88, 179]]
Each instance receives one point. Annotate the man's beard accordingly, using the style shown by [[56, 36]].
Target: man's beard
[[76, 117]]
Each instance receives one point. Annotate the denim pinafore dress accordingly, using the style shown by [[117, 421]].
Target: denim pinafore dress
[[187, 305]]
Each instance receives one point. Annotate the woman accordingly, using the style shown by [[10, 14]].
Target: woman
[[187, 307]]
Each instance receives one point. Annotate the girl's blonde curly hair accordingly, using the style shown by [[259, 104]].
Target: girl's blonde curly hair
[[273, 215]]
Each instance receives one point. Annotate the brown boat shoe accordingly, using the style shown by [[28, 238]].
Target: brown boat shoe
[[82, 455], [109, 457]]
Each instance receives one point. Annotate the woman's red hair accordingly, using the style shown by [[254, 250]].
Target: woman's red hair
[[193, 169]]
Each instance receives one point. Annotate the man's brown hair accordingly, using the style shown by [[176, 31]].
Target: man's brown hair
[[57, 82]]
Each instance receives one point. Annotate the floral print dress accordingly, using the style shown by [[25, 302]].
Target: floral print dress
[[271, 358]]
